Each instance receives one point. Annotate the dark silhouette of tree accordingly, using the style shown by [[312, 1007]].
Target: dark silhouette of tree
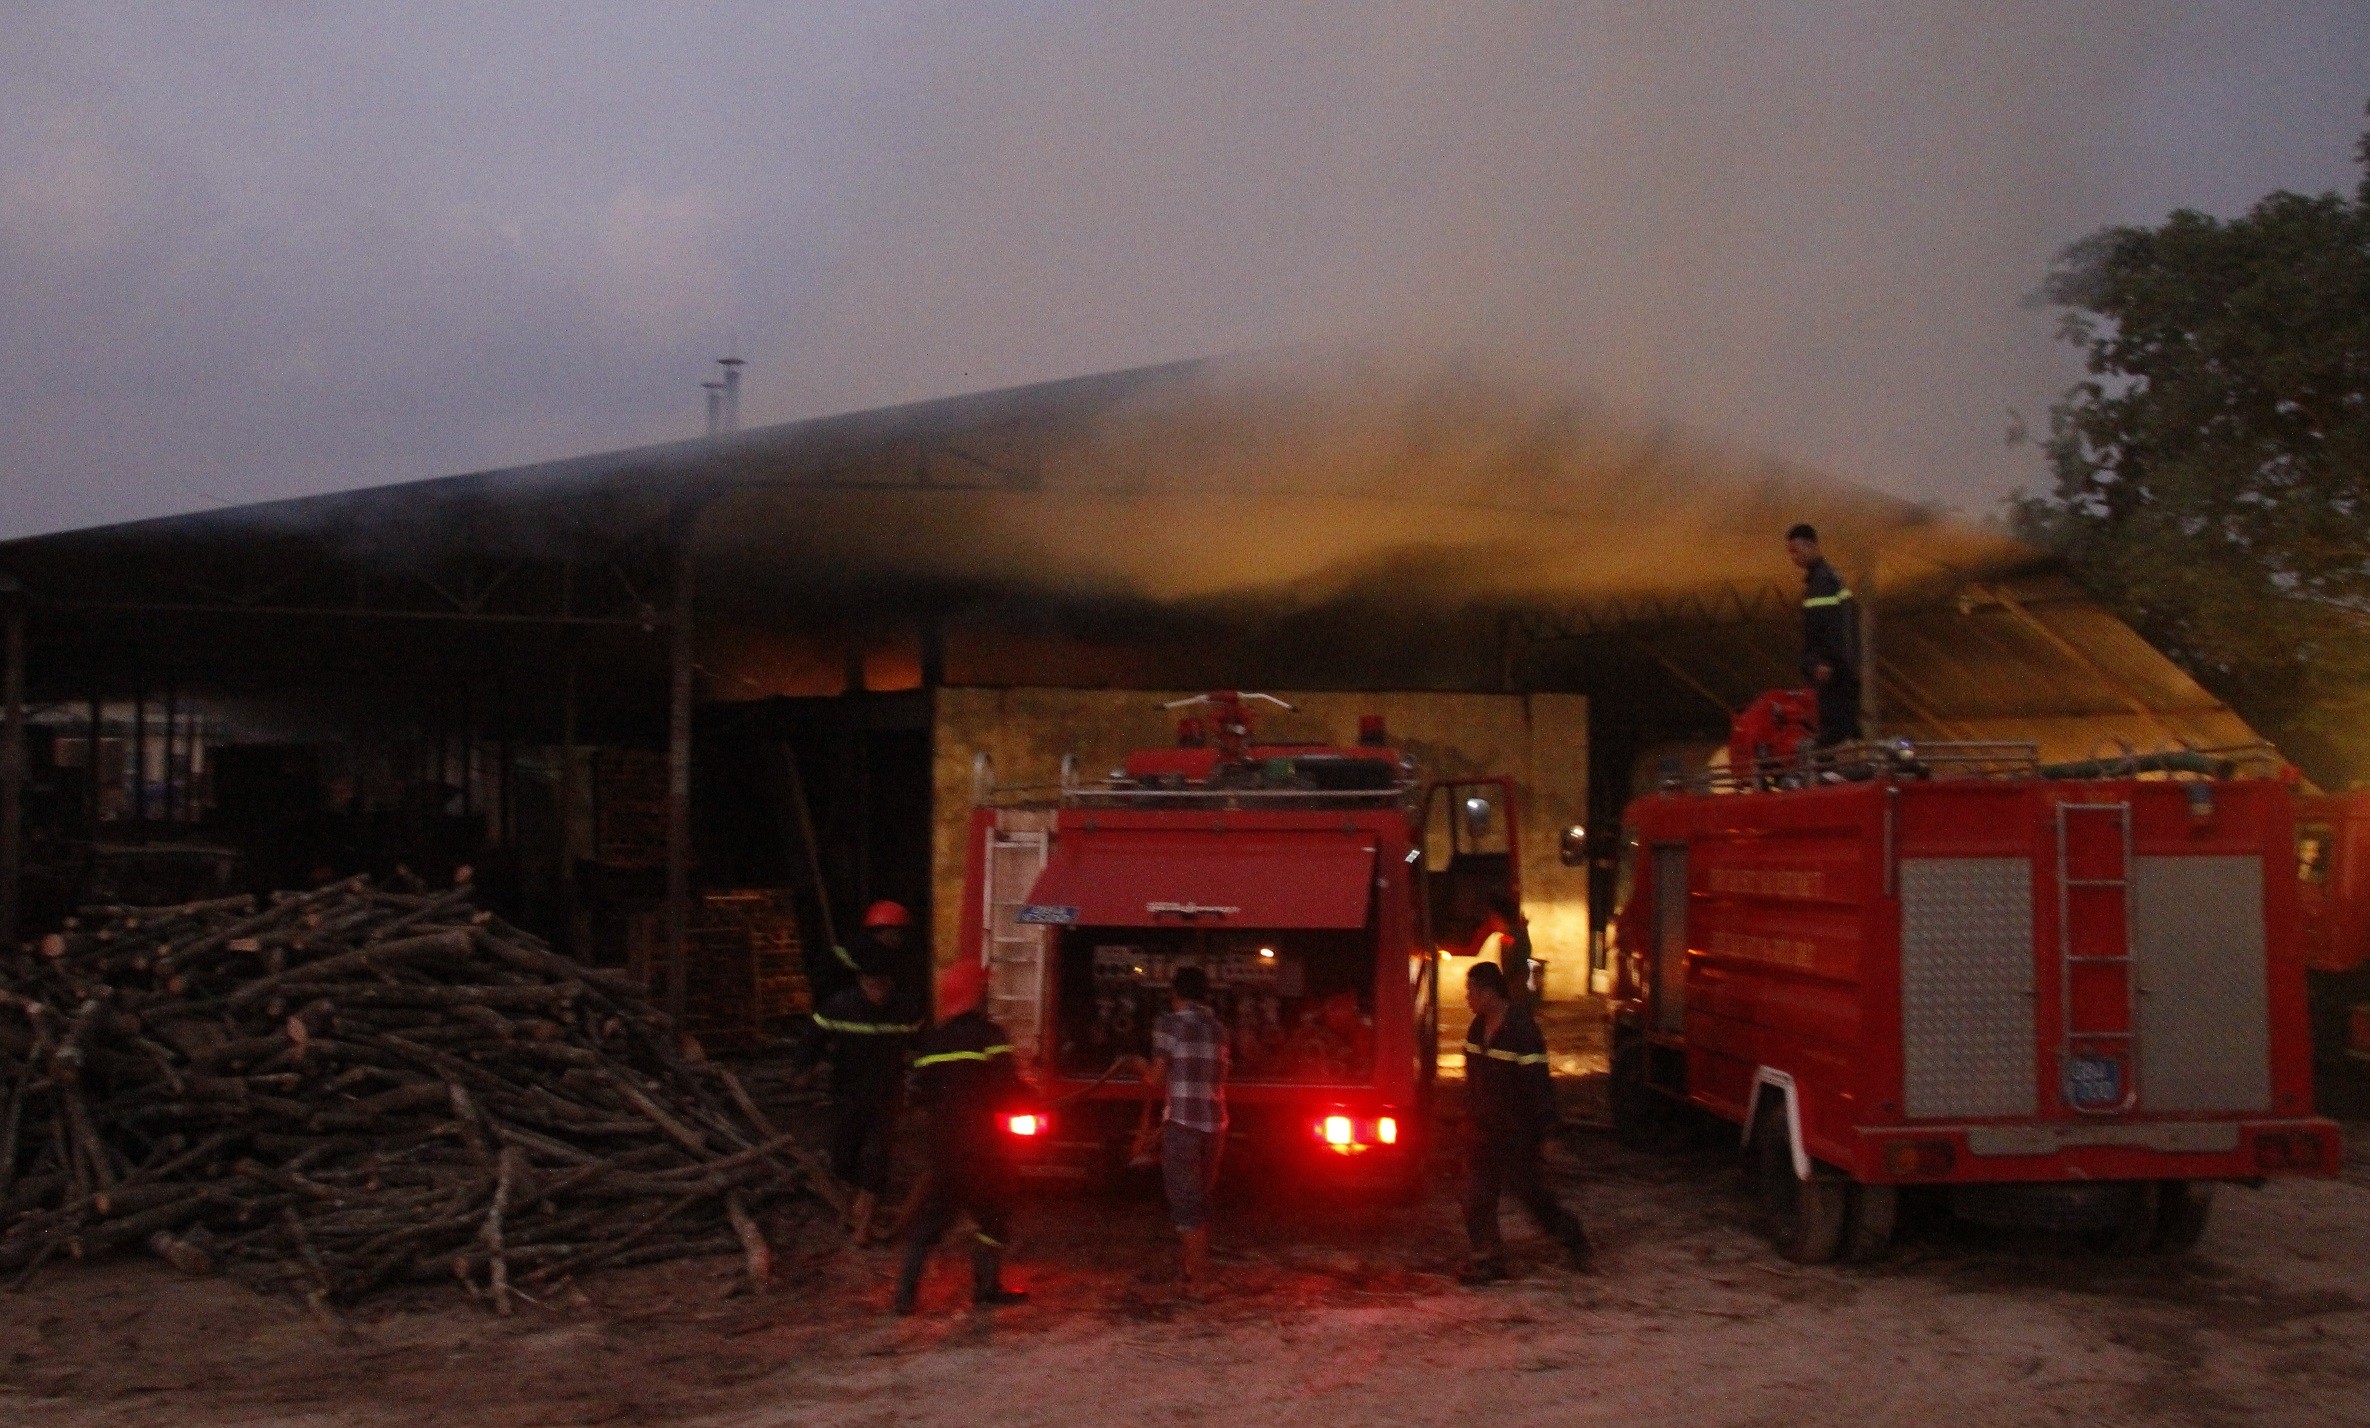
[[2213, 470]]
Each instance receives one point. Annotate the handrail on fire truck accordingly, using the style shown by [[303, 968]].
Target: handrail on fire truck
[[1951, 759], [1119, 791], [1123, 793], [1190, 700]]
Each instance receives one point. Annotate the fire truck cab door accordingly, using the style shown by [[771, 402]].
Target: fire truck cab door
[[1667, 960], [1468, 856]]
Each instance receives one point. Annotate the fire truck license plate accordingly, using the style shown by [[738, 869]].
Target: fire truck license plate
[[2095, 1082]]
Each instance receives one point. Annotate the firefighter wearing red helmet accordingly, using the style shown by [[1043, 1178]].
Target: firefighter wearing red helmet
[[864, 1032], [964, 1074], [885, 929]]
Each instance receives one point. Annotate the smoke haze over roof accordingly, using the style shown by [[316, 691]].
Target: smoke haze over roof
[[253, 252]]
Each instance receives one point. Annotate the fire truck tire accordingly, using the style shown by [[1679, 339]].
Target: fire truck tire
[[2135, 1232], [1804, 1219], [2181, 1216], [1869, 1231]]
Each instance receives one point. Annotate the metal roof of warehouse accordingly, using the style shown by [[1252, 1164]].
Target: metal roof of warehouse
[[1202, 513]]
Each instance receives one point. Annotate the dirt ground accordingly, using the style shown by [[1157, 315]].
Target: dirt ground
[[1331, 1314]]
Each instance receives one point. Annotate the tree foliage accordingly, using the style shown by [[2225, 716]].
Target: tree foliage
[[2212, 472]]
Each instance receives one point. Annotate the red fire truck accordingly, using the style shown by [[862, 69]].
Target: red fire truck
[[2068, 997], [1311, 884], [2333, 888]]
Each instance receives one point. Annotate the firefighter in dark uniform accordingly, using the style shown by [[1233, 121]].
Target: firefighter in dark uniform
[[880, 942], [1830, 639], [866, 1032], [1509, 1109], [964, 1075]]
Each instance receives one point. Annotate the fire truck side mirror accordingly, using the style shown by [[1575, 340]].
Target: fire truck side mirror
[[1477, 818], [1572, 847]]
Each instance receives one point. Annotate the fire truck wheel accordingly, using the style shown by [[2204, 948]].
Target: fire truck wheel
[[2135, 1232], [1804, 1219], [2181, 1215], [1869, 1231]]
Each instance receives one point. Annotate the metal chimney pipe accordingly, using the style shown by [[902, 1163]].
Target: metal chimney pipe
[[715, 391], [732, 391]]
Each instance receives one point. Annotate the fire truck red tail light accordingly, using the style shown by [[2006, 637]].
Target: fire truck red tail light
[[1919, 1159], [2288, 1150], [1025, 1125], [1386, 1130], [1336, 1130]]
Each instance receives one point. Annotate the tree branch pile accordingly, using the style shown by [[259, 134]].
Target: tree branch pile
[[360, 1087]]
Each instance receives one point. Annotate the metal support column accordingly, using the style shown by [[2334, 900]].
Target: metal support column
[[12, 763], [568, 803], [678, 906], [139, 753], [174, 748], [1871, 708], [93, 792]]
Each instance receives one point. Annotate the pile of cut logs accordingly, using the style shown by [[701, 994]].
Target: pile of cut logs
[[358, 1087]]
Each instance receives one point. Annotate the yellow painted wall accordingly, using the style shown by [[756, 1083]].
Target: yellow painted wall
[[1540, 740]]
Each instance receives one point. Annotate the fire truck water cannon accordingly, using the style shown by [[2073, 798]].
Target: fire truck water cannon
[[1216, 749], [1226, 718], [2064, 995]]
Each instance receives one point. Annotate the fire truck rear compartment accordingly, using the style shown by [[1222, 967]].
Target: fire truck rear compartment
[[1972, 991], [1299, 1001]]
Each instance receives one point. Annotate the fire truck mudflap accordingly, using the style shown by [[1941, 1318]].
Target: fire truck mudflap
[[2070, 1002]]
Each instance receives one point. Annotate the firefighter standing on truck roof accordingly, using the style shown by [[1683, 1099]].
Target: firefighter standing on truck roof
[[1509, 1109], [866, 1032], [1830, 639], [965, 1076]]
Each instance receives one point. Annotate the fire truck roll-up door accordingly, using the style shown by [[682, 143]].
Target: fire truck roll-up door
[[1967, 1020], [2204, 1005], [1158, 878]]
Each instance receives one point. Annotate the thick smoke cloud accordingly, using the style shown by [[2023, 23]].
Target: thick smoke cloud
[[249, 252]]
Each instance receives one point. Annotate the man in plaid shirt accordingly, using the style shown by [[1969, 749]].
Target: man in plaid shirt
[[1189, 1059]]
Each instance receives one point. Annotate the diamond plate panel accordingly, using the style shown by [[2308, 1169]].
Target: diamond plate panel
[[2205, 1014], [1967, 987]]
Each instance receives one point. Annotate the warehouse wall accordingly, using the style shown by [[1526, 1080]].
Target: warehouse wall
[[1541, 740]]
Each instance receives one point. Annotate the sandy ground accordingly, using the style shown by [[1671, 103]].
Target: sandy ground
[[1332, 1315]]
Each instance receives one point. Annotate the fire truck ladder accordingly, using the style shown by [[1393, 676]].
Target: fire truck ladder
[[1015, 951], [2094, 913]]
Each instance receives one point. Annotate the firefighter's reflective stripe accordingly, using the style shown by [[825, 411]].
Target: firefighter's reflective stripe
[[1822, 602], [1532, 1058], [944, 1056], [867, 1028], [846, 958]]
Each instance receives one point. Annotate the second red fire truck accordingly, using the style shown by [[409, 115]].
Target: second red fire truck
[[2067, 997], [2333, 886]]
